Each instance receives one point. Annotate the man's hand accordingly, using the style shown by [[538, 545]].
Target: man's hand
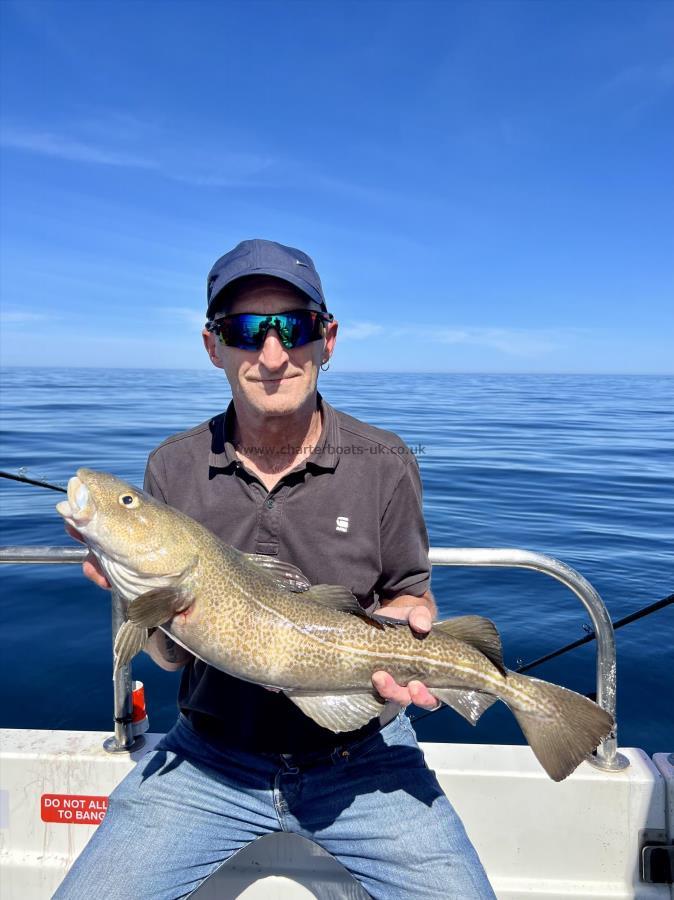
[[90, 566], [418, 613]]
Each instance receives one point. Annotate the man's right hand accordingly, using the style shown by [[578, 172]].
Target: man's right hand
[[90, 566]]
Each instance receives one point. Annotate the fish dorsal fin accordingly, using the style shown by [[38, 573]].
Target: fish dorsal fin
[[477, 631], [339, 712], [286, 575], [334, 596]]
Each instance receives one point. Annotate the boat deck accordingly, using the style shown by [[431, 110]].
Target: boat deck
[[577, 839]]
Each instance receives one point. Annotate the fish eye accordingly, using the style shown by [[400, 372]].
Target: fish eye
[[128, 500]]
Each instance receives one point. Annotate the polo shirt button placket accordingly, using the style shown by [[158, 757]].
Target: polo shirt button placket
[[269, 521]]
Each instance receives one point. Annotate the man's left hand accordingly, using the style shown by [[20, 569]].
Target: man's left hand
[[420, 619]]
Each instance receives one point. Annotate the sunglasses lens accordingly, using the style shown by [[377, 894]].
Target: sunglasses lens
[[248, 331]]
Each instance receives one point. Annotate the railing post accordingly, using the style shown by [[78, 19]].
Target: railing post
[[123, 739]]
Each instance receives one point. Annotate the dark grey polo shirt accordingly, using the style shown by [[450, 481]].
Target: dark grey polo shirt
[[350, 514]]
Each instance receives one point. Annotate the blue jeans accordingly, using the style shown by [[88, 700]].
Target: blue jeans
[[189, 805]]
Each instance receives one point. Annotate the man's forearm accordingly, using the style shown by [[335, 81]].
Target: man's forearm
[[165, 652]]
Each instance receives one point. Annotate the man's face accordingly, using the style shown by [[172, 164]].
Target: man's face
[[271, 381]]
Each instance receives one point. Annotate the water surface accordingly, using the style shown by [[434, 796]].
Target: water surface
[[579, 467]]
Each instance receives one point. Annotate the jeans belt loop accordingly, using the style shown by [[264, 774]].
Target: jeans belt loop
[[291, 769]]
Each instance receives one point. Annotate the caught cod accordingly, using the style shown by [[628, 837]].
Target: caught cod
[[260, 620]]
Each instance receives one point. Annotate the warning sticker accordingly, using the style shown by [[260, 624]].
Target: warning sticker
[[73, 809]]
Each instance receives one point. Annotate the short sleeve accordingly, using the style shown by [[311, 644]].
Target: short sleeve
[[152, 483], [404, 540]]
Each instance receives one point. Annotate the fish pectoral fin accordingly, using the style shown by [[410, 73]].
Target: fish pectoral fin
[[339, 712], [479, 632], [469, 704], [130, 640], [157, 606], [334, 596]]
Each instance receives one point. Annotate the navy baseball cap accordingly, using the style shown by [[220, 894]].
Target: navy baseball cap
[[260, 257]]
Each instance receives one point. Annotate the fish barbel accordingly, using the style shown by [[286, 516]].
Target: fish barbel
[[260, 620]]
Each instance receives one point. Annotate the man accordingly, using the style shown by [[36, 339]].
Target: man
[[283, 473]]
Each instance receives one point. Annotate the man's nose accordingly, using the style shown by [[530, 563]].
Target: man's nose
[[273, 354]]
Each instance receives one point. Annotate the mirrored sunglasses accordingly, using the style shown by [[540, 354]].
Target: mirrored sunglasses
[[247, 331]]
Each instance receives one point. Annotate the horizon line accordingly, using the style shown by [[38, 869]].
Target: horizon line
[[638, 374]]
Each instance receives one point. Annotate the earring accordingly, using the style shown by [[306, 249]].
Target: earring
[[326, 364]]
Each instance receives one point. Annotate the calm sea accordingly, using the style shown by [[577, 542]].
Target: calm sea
[[574, 466]]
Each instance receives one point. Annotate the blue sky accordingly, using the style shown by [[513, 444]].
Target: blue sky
[[484, 186]]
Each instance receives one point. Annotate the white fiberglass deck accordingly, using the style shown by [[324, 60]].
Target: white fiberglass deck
[[537, 839]]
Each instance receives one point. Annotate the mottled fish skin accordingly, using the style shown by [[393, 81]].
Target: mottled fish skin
[[244, 619], [260, 633]]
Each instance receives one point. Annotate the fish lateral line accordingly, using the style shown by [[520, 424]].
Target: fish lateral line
[[494, 677]]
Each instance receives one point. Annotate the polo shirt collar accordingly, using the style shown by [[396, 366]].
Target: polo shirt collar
[[325, 455], [223, 454], [327, 452]]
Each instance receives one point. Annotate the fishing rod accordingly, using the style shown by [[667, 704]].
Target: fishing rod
[[590, 636], [639, 614], [36, 481]]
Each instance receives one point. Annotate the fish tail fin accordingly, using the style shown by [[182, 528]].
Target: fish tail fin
[[561, 727]]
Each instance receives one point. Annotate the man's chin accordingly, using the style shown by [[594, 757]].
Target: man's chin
[[276, 402]]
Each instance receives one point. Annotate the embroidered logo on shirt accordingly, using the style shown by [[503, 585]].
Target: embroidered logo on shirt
[[342, 524]]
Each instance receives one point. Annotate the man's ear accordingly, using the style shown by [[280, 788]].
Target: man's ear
[[211, 346], [330, 337]]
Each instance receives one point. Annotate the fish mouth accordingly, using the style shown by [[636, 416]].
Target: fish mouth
[[79, 508]]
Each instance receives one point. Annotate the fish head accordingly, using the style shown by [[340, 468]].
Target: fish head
[[123, 524]]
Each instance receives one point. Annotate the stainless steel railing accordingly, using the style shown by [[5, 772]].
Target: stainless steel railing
[[607, 756]]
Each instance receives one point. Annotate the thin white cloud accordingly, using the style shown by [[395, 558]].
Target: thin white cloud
[[222, 169], [359, 331], [19, 317], [511, 341], [233, 170], [185, 315], [47, 143], [520, 342], [652, 75], [114, 140]]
